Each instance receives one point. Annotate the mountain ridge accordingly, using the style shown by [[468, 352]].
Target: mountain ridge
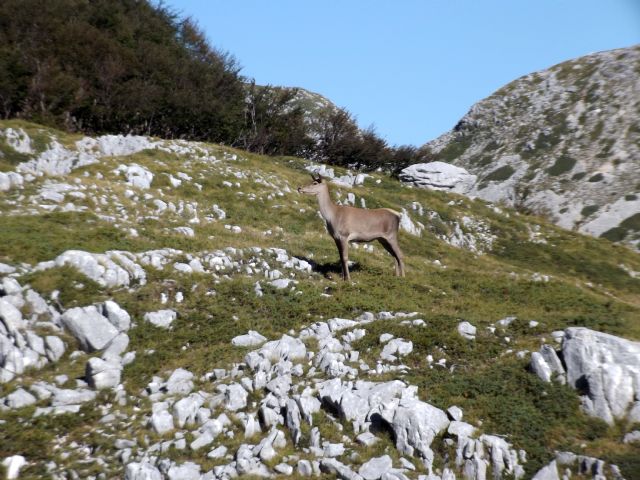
[[563, 142]]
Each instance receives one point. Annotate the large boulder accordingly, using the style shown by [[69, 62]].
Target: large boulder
[[438, 176], [606, 369]]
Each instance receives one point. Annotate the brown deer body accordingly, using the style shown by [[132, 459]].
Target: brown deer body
[[349, 224]]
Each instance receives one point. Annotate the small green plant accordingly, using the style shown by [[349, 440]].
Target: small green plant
[[563, 164], [589, 210], [500, 174], [598, 177]]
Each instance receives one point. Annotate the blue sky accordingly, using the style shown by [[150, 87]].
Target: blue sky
[[411, 68]]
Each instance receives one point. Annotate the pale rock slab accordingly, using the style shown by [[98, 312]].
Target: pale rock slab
[[376, 467], [438, 176], [13, 465], [89, 327], [466, 330]]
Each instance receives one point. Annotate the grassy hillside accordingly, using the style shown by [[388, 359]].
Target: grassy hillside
[[529, 269]]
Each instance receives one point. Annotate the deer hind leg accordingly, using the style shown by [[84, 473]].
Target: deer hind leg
[[343, 249], [391, 245]]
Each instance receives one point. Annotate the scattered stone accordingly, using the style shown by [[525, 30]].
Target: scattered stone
[[161, 318], [102, 374], [606, 368], [466, 330], [13, 465], [250, 339]]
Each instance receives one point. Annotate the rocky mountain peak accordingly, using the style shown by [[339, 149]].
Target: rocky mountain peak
[[562, 142]]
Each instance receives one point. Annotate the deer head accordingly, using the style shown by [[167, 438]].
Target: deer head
[[313, 188]]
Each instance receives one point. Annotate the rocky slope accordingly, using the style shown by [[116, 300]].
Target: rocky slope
[[562, 142], [171, 309]]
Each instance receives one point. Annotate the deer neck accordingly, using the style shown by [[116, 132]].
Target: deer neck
[[327, 207]]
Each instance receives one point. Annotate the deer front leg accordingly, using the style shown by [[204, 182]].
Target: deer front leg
[[343, 249]]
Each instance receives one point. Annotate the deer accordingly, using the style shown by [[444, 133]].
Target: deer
[[350, 224]]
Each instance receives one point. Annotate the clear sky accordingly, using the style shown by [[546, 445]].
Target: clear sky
[[411, 68]]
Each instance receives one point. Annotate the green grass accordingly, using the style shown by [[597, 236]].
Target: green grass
[[587, 287]]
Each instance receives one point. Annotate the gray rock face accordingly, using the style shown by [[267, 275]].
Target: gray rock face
[[186, 471], [438, 176], [89, 327], [607, 369]]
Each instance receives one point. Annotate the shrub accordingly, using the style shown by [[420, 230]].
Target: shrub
[[563, 164], [500, 174]]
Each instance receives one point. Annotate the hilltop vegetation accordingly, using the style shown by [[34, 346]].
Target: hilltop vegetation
[[225, 209], [131, 66]]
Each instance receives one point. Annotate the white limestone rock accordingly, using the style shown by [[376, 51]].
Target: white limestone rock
[[438, 176], [13, 465], [89, 327], [10, 316], [161, 318], [186, 471], [376, 467], [607, 368], [19, 398], [116, 315], [548, 472], [54, 348], [466, 330], [136, 175], [398, 347], [250, 339], [102, 374], [180, 382], [415, 424], [235, 397], [186, 409], [161, 420]]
